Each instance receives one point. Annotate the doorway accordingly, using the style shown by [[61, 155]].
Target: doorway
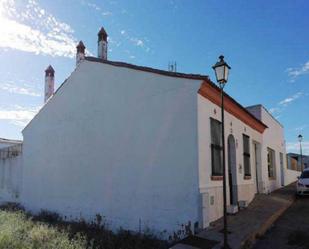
[[258, 167], [281, 169], [232, 170]]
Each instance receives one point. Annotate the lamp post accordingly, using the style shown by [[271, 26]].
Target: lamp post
[[300, 139], [222, 70]]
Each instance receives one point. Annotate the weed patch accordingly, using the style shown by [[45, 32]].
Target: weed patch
[[19, 230]]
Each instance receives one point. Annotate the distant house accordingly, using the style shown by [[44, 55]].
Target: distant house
[[142, 147], [10, 169], [297, 162], [8, 142]]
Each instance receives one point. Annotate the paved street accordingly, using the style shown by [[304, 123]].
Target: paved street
[[291, 230], [246, 225]]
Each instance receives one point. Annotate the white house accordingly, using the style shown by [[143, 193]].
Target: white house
[[255, 152], [10, 170], [117, 140], [273, 146], [142, 147], [4, 143]]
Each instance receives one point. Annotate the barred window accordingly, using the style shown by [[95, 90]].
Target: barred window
[[246, 154], [216, 148]]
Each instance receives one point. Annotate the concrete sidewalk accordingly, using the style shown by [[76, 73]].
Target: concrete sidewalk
[[246, 225]]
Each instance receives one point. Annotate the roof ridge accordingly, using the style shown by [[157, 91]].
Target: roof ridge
[[148, 69], [172, 74], [270, 114], [10, 140]]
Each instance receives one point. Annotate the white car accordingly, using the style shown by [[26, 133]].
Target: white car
[[303, 183]]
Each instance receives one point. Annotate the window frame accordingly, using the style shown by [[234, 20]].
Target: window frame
[[246, 155], [216, 148], [271, 163]]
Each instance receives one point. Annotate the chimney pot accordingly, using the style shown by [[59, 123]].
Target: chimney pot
[[102, 44], [102, 35], [49, 82], [81, 47], [80, 52]]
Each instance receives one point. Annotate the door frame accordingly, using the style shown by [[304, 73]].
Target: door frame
[[281, 161], [258, 166], [232, 169]]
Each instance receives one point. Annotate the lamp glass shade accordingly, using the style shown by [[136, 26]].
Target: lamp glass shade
[[300, 138], [221, 70], [226, 73], [220, 74]]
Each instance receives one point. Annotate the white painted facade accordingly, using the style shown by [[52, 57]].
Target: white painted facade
[[242, 189], [10, 173], [211, 190], [117, 142], [290, 176], [134, 146], [4, 143], [273, 138]]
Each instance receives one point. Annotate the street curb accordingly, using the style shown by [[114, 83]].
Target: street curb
[[249, 241]]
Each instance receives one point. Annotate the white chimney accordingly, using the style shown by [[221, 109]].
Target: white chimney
[[80, 52], [49, 82], [102, 44]]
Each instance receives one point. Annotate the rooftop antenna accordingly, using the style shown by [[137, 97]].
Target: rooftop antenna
[[172, 66]]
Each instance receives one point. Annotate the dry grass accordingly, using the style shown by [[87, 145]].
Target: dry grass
[[19, 229]]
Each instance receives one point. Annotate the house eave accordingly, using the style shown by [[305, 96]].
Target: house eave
[[211, 92]]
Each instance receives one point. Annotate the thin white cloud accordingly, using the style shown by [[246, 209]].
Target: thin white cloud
[[294, 147], [294, 73], [273, 110], [106, 13], [18, 115], [96, 8], [279, 108], [113, 42], [138, 42], [289, 100], [23, 90], [128, 52], [300, 128], [30, 28]]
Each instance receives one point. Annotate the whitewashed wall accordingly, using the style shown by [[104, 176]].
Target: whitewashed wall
[[213, 189], [10, 177], [290, 176], [4, 145], [273, 137], [117, 142], [8, 143]]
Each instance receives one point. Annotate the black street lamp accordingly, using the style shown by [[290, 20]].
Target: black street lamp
[[300, 138], [222, 71]]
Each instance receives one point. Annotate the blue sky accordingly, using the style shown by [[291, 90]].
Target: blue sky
[[265, 42]]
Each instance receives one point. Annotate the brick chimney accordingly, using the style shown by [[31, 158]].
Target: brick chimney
[[102, 44], [49, 82]]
